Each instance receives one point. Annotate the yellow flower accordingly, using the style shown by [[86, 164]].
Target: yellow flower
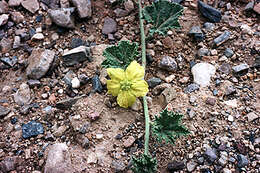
[[127, 84]]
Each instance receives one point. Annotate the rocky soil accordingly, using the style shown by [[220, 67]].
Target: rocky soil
[[56, 115]]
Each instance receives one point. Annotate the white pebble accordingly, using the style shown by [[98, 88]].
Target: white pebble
[[75, 82]]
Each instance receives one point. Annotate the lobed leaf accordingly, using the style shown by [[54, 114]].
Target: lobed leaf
[[144, 164], [120, 56], [163, 15], [168, 126]]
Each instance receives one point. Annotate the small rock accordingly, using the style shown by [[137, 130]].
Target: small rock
[[83, 7], [67, 103], [10, 163], [191, 113], [240, 68], [99, 136], [168, 63], [75, 83], [153, 82], [3, 19], [129, 142], [167, 42], [76, 42], [5, 45], [39, 63], [14, 3], [229, 90], [17, 17], [209, 26], [118, 166], [210, 155], [23, 95], [191, 165], [31, 5], [137, 106], [252, 116], [226, 170], [211, 101], [3, 7], [94, 116], [120, 12], [38, 36], [175, 166], [129, 5], [246, 29], [230, 118], [231, 103], [9, 61], [62, 17], [17, 42], [159, 88], [76, 56], [191, 88], [223, 158], [257, 8], [4, 111], [222, 38], [212, 14], [84, 79], [196, 33], [225, 68], [249, 6], [68, 77], [242, 161], [60, 131], [203, 52], [96, 84], [32, 129], [110, 26], [257, 62], [202, 72], [33, 83], [58, 159], [167, 95]]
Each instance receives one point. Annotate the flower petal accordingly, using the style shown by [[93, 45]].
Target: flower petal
[[113, 87], [125, 99], [117, 74], [140, 88], [134, 71]]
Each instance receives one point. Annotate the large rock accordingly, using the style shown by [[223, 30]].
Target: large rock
[[14, 3], [83, 7], [23, 95], [58, 159], [202, 72], [32, 129], [39, 63], [110, 26], [17, 17], [76, 56], [10, 164], [3, 7], [212, 14], [62, 17], [31, 5]]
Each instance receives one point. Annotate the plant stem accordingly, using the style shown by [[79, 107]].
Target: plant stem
[[147, 119]]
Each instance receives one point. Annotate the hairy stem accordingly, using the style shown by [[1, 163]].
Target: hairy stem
[[147, 119]]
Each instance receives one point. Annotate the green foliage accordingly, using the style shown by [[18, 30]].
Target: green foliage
[[168, 126], [144, 164], [163, 15], [120, 56]]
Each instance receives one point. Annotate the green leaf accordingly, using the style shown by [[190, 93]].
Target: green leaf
[[120, 56], [144, 164], [168, 126], [163, 15]]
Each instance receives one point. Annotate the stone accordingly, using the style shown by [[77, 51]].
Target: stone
[[83, 7], [212, 14], [60, 131], [94, 115], [222, 38], [191, 113], [14, 3], [229, 90], [32, 129], [168, 63], [10, 163], [62, 17], [3, 19], [68, 77], [175, 166], [64, 3], [223, 158], [76, 42], [167, 42], [167, 96], [38, 36], [3, 7], [211, 101], [202, 73], [191, 165], [129, 5], [191, 88], [240, 68], [39, 63], [196, 33], [209, 26], [5, 45], [128, 142], [159, 88], [226, 170], [17, 42], [120, 12], [75, 83], [210, 155], [33, 83], [9, 61], [58, 159], [23, 95], [252, 116], [246, 29], [242, 161], [257, 62], [118, 166], [17, 17], [110, 26], [153, 82], [96, 84], [225, 68], [228, 52], [257, 8], [231, 103], [203, 52], [31, 5], [137, 106], [67, 103], [4, 111], [76, 56]]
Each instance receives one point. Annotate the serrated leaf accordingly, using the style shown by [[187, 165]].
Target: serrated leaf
[[163, 15], [168, 126], [144, 164], [120, 56]]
